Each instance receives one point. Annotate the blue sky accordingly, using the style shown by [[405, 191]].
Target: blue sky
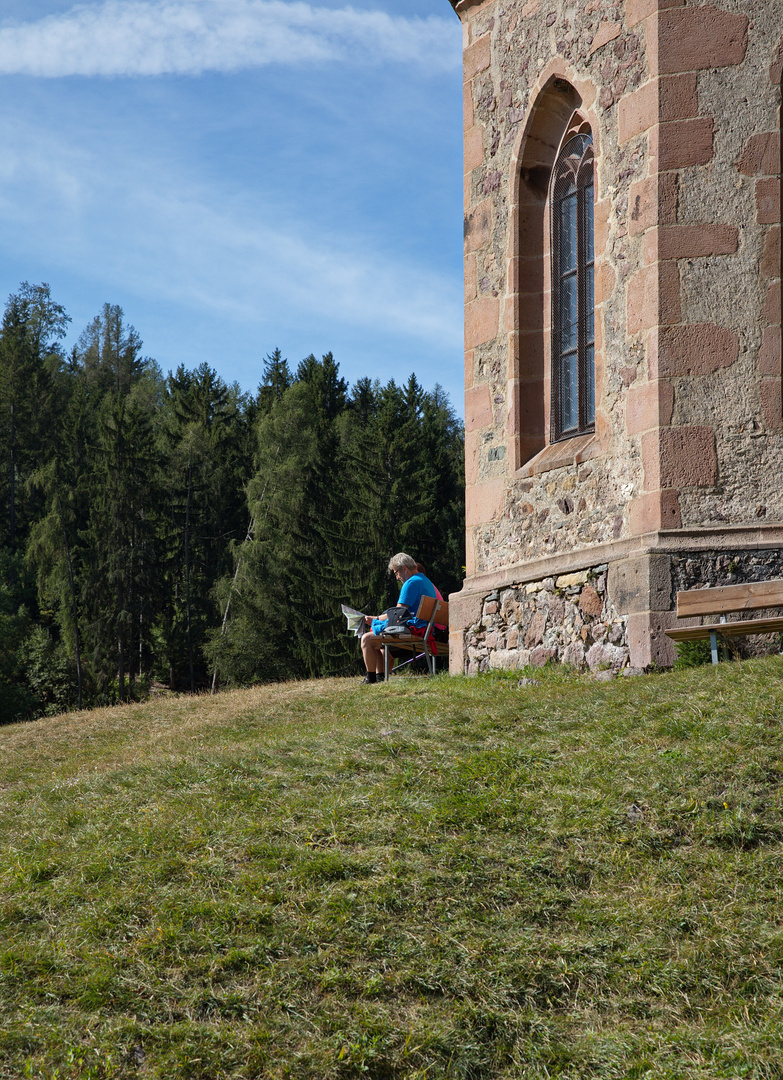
[[239, 175]]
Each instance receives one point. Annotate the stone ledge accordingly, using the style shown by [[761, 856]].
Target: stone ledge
[[559, 455], [671, 541]]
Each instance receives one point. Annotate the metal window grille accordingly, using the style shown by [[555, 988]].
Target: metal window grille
[[573, 290]]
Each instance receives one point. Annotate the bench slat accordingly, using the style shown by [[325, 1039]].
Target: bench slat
[[726, 598], [727, 629]]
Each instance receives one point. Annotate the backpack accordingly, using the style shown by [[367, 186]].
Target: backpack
[[397, 619]]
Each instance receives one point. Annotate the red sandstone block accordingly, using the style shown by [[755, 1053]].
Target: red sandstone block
[[686, 458], [531, 356], [776, 67], [602, 212], [470, 557], [526, 274], [669, 294], [604, 427], [467, 106], [769, 398], [476, 57], [470, 360], [694, 39], [605, 280], [770, 259], [484, 502], [653, 202], [671, 98], [530, 312], [478, 408], [471, 278], [482, 319], [529, 410], [648, 406], [606, 32], [653, 511], [638, 111], [473, 151], [471, 458], [679, 97], [761, 155], [653, 297], [696, 241], [636, 10], [478, 226], [772, 303], [769, 353], [679, 144], [698, 349], [457, 654], [531, 234], [647, 641], [768, 201], [643, 205]]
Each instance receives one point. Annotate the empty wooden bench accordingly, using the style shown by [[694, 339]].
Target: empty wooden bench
[[724, 600], [434, 611]]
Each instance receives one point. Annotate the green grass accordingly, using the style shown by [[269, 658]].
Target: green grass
[[436, 878]]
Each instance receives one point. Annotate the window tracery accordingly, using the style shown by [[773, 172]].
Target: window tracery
[[573, 290]]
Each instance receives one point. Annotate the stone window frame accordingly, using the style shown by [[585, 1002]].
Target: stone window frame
[[561, 107]]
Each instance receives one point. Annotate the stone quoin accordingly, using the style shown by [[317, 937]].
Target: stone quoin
[[623, 419]]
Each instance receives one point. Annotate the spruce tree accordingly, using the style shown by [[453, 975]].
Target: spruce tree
[[205, 446]]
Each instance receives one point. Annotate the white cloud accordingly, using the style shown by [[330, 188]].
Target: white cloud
[[190, 37], [236, 259], [229, 260]]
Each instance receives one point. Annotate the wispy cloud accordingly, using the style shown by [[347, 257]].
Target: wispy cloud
[[244, 259], [191, 37]]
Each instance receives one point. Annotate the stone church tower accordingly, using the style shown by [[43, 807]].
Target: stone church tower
[[624, 434]]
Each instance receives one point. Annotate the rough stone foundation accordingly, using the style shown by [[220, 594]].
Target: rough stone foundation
[[585, 619], [568, 619]]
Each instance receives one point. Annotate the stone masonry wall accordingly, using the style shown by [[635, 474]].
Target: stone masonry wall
[[713, 568], [575, 619], [568, 619], [684, 107]]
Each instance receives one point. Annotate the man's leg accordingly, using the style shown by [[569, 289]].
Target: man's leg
[[372, 652]]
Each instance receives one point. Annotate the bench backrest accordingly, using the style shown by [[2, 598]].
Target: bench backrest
[[726, 598], [429, 605]]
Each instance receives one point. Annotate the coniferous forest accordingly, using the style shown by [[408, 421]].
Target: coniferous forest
[[175, 530]]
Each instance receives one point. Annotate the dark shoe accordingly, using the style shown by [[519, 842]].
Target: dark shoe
[[370, 677]]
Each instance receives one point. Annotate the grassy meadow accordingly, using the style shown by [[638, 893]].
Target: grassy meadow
[[447, 878]]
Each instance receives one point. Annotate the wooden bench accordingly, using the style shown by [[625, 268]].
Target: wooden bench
[[434, 611], [722, 600]]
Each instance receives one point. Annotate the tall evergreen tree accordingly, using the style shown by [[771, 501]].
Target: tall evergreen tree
[[340, 484], [30, 361], [205, 444], [110, 353], [121, 541]]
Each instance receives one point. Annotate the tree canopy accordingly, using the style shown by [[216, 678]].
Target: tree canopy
[[178, 531]]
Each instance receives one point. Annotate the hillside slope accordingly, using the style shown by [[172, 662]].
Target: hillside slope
[[446, 878]]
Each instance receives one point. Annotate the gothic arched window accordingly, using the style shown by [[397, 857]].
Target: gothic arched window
[[573, 292]]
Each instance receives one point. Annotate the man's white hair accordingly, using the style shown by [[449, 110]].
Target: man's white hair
[[396, 562]]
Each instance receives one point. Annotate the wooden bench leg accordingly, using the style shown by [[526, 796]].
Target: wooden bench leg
[[714, 646]]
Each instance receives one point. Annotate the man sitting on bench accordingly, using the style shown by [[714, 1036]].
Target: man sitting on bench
[[414, 586]]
